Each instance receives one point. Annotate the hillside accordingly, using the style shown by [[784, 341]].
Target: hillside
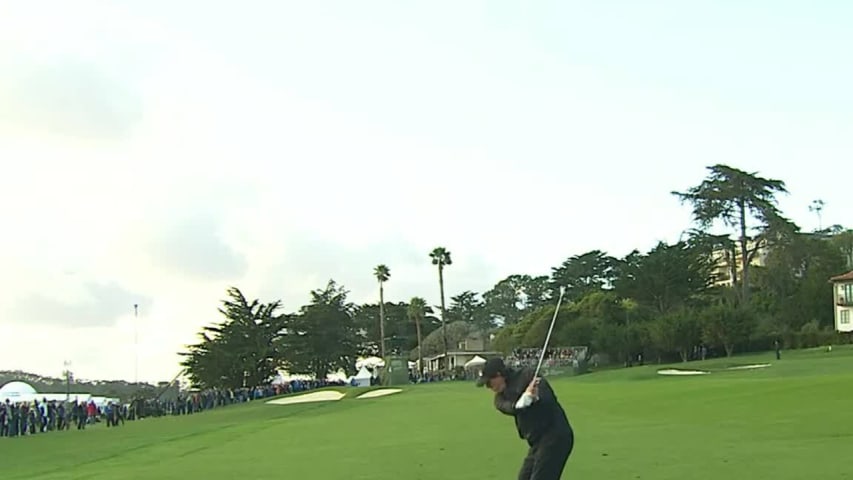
[[103, 388]]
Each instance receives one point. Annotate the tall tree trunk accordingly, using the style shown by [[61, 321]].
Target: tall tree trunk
[[731, 257], [420, 347], [744, 253], [443, 314], [381, 321]]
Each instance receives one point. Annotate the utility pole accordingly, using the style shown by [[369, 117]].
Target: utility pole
[[67, 372], [136, 343]]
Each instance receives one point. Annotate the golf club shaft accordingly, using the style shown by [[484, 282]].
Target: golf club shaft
[[550, 329]]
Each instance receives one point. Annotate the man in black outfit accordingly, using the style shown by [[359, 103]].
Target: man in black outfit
[[539, 418]]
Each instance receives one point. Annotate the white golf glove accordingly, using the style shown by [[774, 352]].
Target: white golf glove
[[525, 401]]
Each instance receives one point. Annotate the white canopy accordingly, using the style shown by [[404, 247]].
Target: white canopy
[[369, 362], [475, 362], [286, 377]]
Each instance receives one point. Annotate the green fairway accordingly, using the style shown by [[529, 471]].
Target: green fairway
[[792, 420]]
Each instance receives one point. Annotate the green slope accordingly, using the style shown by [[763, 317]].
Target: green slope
[[789, 421]]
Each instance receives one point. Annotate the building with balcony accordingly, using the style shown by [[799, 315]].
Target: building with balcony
[[842, 297]]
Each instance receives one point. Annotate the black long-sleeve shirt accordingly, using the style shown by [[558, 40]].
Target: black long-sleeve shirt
[[545, 417]]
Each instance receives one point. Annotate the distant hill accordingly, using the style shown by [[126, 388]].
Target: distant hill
[[99, 388]]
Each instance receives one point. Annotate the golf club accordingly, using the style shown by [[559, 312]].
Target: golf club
[[550, 329]]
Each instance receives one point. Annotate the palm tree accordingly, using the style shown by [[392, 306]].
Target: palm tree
[[417, 312], [629, 305], [817, 207], [382, 274], [441, 257]]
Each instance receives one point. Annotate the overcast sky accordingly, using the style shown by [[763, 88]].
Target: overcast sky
[[158, 152]]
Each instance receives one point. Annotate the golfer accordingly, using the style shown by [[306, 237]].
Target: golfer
[[539, 418]]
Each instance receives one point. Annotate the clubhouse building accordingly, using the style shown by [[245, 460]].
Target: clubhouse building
[[842, 299]]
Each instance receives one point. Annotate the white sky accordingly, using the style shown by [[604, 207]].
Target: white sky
[[155, 153]]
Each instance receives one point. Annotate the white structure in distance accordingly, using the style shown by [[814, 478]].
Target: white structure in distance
[[22, 392]]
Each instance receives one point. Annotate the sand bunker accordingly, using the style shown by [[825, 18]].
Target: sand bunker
[[675, 371], [749, 367], [325, 396], [379, 393]]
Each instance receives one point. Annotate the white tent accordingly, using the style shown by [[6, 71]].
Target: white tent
[[80, 397], [477, 361], [102, 402], [21, 392], [17, 391], [362, 378]]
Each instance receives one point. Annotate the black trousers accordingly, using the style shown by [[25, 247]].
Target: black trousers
[[547, 458]]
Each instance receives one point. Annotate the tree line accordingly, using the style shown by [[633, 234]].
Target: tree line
[[741, 277]]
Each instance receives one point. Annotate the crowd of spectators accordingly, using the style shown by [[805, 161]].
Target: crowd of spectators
[[554, 357], [18, 419], [38, 417]]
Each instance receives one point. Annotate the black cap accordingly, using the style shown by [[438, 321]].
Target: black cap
[[493, 367]]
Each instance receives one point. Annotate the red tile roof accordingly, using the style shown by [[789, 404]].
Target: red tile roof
[[847, 277]]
